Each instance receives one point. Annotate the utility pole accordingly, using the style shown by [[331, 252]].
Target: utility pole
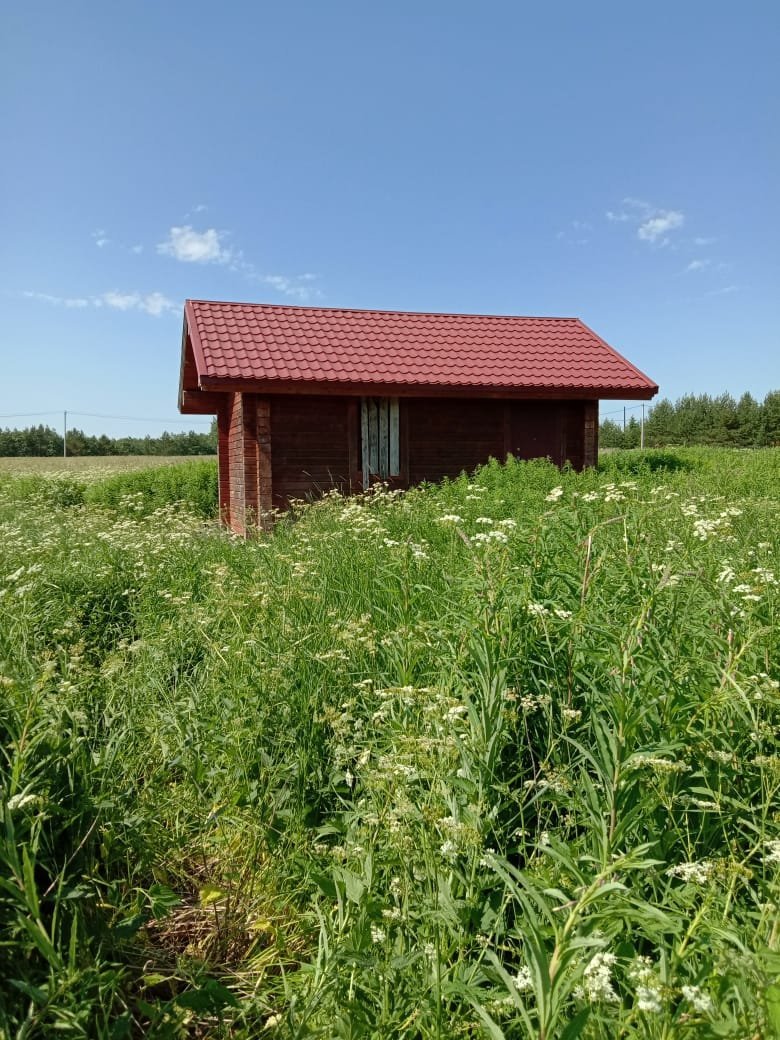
[[64, 435], [642, 428]]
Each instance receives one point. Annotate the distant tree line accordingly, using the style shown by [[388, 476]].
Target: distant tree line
[[701, 419], [46, 441]]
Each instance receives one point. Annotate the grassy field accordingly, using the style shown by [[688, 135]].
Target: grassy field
[[91, 467], [496, 758]]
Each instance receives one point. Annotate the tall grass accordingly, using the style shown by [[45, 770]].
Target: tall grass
[[492, 758]]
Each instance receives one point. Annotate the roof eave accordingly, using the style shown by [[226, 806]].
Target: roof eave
[[309, 387]]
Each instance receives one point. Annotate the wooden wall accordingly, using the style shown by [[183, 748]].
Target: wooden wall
[[310, 439], [276, 448], [564, 431], [446, 437]]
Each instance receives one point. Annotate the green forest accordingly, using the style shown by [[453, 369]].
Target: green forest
[[46, 442], [693, 419], [700, 419]]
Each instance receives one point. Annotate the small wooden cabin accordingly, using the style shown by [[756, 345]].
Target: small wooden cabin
[[312, 398]]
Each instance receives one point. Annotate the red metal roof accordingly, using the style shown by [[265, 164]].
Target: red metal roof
[[329, 348]]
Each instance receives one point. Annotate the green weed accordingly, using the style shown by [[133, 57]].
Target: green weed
[[492, 758]]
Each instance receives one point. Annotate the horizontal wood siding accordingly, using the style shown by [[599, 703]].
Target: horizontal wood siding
[[551, 429], [276, 448], [536, 430], [590, 452], [446, 437], [313, 446]]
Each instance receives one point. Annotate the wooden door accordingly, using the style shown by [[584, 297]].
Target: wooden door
[[380, 439]]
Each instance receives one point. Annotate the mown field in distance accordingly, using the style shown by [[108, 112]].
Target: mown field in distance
[[495, 758], [90, 466]]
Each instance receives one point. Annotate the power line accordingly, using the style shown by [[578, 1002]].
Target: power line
[[27, 415], [135, 418], [616, 411], [96, 415]]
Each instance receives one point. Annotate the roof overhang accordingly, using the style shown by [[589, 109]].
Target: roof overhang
[[313, 388]]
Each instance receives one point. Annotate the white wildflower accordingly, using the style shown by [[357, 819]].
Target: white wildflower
[[597, 978], [455, 712], [378, 935], [20, 801], [449, 850], [524, 980], [658, 764], [765, 575], [648, 986], [704, 805], [694, 995], [554, 495], [772, 851], [694, 873], [648, 999]]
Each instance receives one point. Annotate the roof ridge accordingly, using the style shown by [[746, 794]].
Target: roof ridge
[[376, 310]]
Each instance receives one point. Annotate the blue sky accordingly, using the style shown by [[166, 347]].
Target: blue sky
[[613, 161]]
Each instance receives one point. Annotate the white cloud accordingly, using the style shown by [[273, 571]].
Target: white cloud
[[725, 291], [704, 241], [656, 227], [60, 301], [296, 286], [631, 210], [137, 249], [121, 301], [100, 238], [580, 227], [652, 223], [698, 265], [153, 303], [199, 247]]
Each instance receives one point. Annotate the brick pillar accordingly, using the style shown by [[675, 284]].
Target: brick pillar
[[242, 462], [223, 458]]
